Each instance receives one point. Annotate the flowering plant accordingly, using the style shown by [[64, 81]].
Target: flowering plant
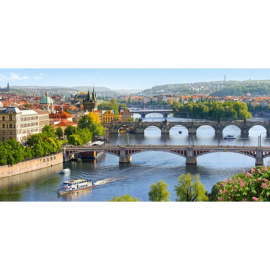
[[253, 185]]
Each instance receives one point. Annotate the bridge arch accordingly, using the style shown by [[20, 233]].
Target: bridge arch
[[231, 130], [152, 131], [226, 160], [160, 150], [206, 131], [257, 130], [245, 153], [154, 115], [178, 130]]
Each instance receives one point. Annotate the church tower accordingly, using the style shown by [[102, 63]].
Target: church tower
[[90, 102]]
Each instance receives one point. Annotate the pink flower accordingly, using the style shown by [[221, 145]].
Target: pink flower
[[264, 185], [255, 198]]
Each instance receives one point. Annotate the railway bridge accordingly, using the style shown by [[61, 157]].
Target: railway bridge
[[192, 126], [125, 152]]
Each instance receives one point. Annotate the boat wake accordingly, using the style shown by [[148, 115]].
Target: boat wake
[[106, 181]]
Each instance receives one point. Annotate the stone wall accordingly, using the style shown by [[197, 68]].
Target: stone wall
[[31, 165]]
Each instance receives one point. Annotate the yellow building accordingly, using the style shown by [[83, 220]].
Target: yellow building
[[107, 116]]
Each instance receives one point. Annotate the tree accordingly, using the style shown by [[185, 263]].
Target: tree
[[70, 130], [75, 139], [48, 131], [124, 198], [190, 189], [59, 132], [159, 192]]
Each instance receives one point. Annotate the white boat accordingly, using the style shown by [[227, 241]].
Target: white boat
[[65, 171], [229, 137], [75, 185]]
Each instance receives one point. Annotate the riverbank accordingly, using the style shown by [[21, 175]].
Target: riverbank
[[31, 165]]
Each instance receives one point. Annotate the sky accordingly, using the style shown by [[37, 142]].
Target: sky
[[123, 78]]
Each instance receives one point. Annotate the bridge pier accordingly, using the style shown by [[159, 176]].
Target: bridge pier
[[218, 133], [192, 131], [164, 131], [244, 133], [268, 133], [259, 158], [125, 157], [143, 115], [191, 159]]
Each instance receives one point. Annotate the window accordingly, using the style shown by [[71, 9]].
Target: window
[[10, 117], [10, 125], [3, 125], [3, 118]]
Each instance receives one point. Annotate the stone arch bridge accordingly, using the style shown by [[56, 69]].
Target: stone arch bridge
[[125, 152], [192, 126]]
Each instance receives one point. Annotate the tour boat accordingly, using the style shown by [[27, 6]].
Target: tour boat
[[229, 137], [74, 185], [65, 171]]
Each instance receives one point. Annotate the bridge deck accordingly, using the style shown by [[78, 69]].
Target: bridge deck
[[166, 147]]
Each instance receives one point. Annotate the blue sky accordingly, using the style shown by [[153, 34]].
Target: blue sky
[[124, 78]]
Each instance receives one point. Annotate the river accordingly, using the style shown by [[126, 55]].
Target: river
[[146, 167]]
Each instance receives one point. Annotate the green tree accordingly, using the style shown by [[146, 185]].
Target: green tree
[[59, 132], [70, 130], [159, 192], [124, 198], [48, 131], [75, 139], [190, 189]]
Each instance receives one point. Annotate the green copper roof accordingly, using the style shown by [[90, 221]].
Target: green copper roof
[[46, 100]]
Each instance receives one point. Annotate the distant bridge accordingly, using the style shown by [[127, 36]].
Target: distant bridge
[[144, 112], [124, 152], [192, 126]]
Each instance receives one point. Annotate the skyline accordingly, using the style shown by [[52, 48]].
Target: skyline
[[123, 78]]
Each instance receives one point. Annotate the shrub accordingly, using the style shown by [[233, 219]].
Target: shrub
[[253, 185]]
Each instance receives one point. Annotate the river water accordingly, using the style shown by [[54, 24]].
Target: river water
[[146, 168]]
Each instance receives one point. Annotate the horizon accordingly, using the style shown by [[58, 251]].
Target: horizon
[[123, 79]]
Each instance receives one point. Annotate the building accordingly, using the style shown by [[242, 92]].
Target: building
[[19, 124], [46, 103], [107, 116], [90, 102], [125, 115]]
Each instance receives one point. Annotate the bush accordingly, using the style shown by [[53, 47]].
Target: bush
[[253, 185]]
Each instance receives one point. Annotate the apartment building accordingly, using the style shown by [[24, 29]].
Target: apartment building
[[19, 124]]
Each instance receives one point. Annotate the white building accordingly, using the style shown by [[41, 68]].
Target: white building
[[19, 124]]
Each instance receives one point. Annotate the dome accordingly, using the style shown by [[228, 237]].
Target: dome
[[46, 100]]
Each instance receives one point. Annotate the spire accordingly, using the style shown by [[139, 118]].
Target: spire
[[94, 96], [8, 86], [88, 96]]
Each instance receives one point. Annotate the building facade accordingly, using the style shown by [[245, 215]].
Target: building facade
[[19, 124]]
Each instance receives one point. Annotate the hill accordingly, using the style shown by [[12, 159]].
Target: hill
[[215, 88], [61, 90]]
